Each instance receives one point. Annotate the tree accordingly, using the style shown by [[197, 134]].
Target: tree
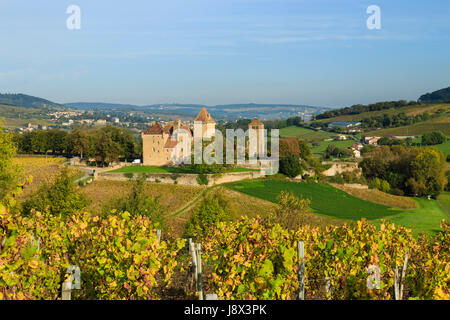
[[433, 138], [139, 203], [213, 209], [305, 151], [108, 151], [290, 166], [40, 142], [58, 141], [60, 198], [289, 146], [333, 151], [428, 173], [9, 172], [290, 212], [79, 141]]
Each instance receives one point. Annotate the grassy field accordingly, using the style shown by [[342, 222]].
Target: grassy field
[[439, 124], [337, 204], [325, 199], [408, 110], [320, 149], [240, 204], [376, 196], [445, 147], [304, 133], [426, 218], [444, 201], [155, 169]]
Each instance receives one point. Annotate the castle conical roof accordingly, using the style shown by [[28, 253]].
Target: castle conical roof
[[204, 116], [256, 122]]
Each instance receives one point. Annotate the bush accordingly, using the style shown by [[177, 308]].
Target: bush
[[128, 175], [60, 198], [202, 179], [137, 203], [212, 209], [290, 212], [433, 138], [290, 166]]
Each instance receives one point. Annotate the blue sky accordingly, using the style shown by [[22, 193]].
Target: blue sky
[[315, 52]]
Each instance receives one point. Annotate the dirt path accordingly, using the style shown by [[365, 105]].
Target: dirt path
[[193, 202]]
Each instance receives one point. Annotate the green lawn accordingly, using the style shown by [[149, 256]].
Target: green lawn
[[329, 201], [426, 218], [155, 169]]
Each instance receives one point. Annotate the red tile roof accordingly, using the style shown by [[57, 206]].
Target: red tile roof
[[170, 144], [154, 129], [171, 124]]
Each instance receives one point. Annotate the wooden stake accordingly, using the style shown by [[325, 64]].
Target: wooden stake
[[328, 286], [194, 261], [301, 270], [72, 282], [211, 296], [66, 292], [405, 264], [199, 269], [396, 289], [158, 235]]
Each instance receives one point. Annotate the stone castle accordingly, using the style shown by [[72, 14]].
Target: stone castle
[[171, 144], [165, 146]]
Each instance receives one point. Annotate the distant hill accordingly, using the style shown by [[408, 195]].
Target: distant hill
[[23, 100], [225, 112], [439, 96], [359, 108], [101, 106]]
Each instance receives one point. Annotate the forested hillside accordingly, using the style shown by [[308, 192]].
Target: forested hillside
[[27, 101], [438, 96]]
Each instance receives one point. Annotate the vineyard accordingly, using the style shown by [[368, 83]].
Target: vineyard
[[124, 257], [41, 170]]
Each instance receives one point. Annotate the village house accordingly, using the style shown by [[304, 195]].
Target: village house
[[356, 149], [341, 137], [371, 140]]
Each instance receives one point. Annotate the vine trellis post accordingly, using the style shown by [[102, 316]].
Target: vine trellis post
[[398, 279], [196, 257], [158, 235], [72, 282], [301, 269]]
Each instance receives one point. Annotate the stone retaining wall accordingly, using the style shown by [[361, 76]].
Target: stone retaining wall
[[182, 178], [340, 167]]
